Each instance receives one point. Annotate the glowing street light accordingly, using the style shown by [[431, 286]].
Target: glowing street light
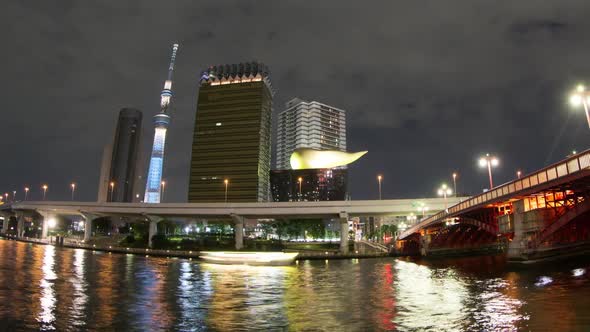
[[112, 186], [51, 223], [489, 161], [423, 208], [379, 178], [518, 174], [581, 96], [300, 180], [163, 184], [445, 191], [455, 183], [226, 183], [26, 192], [44, 187], [73, 186]]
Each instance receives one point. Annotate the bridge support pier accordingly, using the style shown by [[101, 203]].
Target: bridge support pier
[[45, 226], [518, 245], [153, 230], [238, 231], [20, 224], [343, 233], [88, 221], [424, 244], [153, 227], [5, 222]]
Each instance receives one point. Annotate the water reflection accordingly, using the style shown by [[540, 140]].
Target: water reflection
[[494, 309], [49, 288], [48, 301], [385, 295], [80, 287], [192, 312], [438, 294], [246, 294]]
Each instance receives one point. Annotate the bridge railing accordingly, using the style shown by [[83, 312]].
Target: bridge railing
[[571, 165]]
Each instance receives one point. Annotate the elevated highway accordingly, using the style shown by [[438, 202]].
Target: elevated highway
[[235, 212]]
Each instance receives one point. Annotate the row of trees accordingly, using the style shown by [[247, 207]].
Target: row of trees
[[385, 231], [297, 229]]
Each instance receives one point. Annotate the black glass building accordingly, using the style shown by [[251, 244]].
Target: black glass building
[[309, 185], [125, 157]]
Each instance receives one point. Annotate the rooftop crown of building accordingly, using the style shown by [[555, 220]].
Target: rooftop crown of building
[[236, 73]]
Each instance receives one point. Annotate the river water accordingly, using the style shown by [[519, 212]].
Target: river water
[[49, 288]]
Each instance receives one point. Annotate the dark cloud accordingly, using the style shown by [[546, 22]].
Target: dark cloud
[[537, 29], [428, 86]]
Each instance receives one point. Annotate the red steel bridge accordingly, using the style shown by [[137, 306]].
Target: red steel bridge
[[543, 215]]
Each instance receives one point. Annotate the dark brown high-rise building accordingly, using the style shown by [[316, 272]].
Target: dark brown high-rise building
[[124, 172], [232, 136]]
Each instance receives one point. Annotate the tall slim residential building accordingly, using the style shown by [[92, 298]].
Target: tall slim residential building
[[309, 125], [232, 135], [120, 171]]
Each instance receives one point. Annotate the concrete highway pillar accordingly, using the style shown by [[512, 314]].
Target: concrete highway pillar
[[5, 222], [153, 227], [238, 230], [343, 233], [20, 224], [45, 226], [87, 229], [153, 230], [518, 245], [88, 221]]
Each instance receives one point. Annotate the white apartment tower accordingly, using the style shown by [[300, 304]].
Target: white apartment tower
[[309, 125]]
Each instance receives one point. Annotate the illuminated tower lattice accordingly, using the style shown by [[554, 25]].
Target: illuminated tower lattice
[[161, 122]]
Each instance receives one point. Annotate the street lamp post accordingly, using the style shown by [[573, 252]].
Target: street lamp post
[[423, 208], [26, 192], [226, 182], [44, 190], [73, 186], [581, 97], [163, 183], [14, 196], [489, 161], [112, 186], [518, 174], [455, 183], [300, 180], [445, 191], [379, 178]]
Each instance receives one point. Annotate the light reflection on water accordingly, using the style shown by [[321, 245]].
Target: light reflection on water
[[48, 288], [48, 300], [423, 292], [80, 289]]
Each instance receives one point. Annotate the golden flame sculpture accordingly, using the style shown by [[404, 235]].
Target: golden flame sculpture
[[310, 158]]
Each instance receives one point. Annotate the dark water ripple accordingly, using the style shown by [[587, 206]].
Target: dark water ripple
[[47, 288]]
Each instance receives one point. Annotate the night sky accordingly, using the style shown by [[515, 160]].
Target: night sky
[[429, 86]]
